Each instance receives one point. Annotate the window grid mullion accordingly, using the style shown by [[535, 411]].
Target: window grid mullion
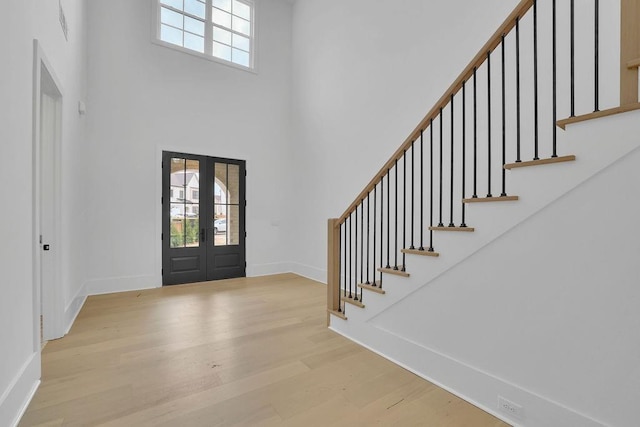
[[182, 12], [208, 30]]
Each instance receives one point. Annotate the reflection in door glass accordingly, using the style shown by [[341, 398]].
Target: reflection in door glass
[[226, 206], [234, 225], [233, 184], [184, 195]]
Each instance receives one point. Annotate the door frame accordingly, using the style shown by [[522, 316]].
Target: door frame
[[46, 301], [203, 151]]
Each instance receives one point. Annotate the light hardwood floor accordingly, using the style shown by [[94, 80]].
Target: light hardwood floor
[[242, 352]]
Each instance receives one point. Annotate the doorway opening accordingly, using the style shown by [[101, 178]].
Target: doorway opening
[[47, 137], [203, 218]]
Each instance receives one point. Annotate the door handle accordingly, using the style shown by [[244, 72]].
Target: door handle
[[45, 247]]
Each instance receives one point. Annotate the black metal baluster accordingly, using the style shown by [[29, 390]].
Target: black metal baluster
[[345, 258], [440, 224], [518, 138], [368, 235], [464, 149], [573, 58], [555, 106], [395, 246], [340, 280], [451, 224], [596, 48], [381, 226], [489, 124], [362, 241], [475, 134], [535, 80], [350, 256], [404, 207], [388, 217], [375, 204], [504, 125], [355, 260], [421, 190], [413, 182], [431, 189]]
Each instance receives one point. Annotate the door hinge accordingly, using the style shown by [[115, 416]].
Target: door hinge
[[162, 200], [245, 172], [161, 236], [162, 165], [162, 271]]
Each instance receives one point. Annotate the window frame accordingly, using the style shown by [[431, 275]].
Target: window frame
[[156, 28]]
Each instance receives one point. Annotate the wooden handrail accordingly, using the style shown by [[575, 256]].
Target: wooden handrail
[[467, 73]]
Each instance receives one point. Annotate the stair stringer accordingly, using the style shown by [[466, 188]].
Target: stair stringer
[[374, 328]]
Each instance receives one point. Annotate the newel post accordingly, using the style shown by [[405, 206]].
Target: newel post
[[629, 50], [333, 267]]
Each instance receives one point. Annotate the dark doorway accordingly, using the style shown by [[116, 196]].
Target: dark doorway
[[203, 218]]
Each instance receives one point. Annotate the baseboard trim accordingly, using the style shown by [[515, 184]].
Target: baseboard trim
[[560, 414], [310, 272], [258, 270], [110, 285], [73, 309], [16, 398]]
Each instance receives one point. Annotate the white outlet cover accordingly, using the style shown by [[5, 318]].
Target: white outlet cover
[[508, 407]]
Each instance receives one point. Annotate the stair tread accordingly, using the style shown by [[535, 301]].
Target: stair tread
[[490, 199], [423, 252], [467, 229], [394, 272], [353, 302], [375, 289], [635, 63], [598, 114], [540, 162], [338, 314]]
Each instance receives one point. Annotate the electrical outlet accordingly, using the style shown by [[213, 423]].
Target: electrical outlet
[[510, 408]]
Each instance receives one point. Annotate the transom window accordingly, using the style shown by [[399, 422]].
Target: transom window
[[221, 29]]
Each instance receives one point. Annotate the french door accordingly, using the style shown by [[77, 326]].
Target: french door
[[203, 218]]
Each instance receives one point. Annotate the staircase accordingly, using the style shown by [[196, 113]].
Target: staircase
[[480, 186]]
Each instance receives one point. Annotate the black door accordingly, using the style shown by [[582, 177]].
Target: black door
[[203, 218]]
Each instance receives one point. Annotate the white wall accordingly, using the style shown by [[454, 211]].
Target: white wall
[[144, 98], [365, 74], [19, 356]]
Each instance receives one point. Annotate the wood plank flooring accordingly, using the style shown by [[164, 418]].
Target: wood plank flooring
[[242, 352]]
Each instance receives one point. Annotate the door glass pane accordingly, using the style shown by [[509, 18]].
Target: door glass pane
[[234, 184], [177, 232], [185, 203], [233, 226], [221, 188], [220, 226]]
